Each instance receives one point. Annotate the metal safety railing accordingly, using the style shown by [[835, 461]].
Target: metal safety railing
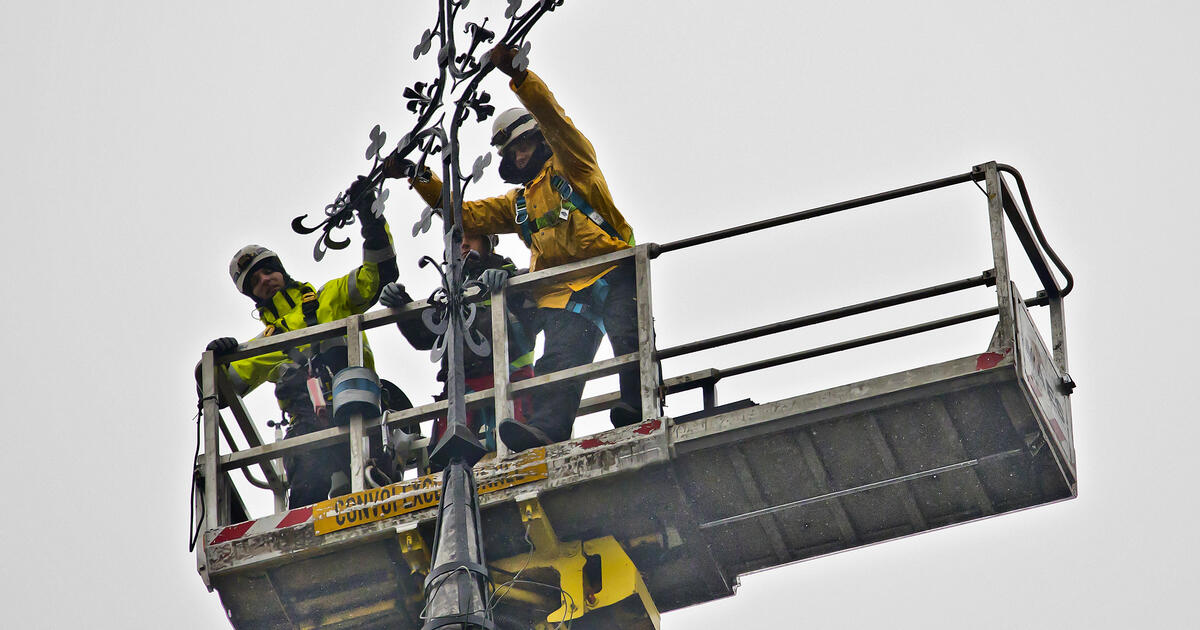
[[217, 501]]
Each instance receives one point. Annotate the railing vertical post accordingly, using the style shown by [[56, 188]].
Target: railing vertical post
[[354, 358], [647, 365], [709, 395], [281, 499], [213, 479], [281, 491], [995, 195], [1058, 332], [500, 379]]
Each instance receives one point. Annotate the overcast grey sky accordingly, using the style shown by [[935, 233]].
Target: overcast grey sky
[[144, 142]]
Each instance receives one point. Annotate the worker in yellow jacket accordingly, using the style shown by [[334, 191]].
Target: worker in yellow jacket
[[303, 375], [564, 213]]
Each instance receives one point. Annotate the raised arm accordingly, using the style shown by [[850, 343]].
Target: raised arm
[[573, 150], [491, 215]]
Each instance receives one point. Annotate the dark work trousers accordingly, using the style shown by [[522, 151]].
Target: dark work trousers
[[308, 473], [572, 340]]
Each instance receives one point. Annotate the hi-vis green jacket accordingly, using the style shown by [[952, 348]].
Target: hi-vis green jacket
[[348, 295], [577, 238]]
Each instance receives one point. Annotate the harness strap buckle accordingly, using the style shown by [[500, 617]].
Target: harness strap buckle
[[563, 186], [521, 215]]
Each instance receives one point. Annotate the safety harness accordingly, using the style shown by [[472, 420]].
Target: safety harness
[[319, 378], [571, 200], [308, 306]]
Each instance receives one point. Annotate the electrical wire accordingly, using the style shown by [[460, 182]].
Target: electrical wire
[[561, 598], [563, 594], [193, 536], [441, 582], [528, 558]]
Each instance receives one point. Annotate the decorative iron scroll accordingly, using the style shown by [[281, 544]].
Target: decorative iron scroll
[[436, 134]]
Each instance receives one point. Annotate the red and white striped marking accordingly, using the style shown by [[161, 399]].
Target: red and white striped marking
[[262, 525]]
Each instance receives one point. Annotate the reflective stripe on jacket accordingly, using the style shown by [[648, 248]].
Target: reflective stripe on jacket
[[577, 238]]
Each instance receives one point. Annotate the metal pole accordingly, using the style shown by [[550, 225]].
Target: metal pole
[[647, 363], [813, 213], [1004, 330], [870, 339], [503, 404], [709, 395], [825, 316], [211, 458], [358, 436], [455, 591], [1058, 333]]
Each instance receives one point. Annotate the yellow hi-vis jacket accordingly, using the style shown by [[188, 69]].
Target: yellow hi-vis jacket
[[577, 238], [342, 297]]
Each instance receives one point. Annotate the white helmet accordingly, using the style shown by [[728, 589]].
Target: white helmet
[[510, 125], [245, 260]]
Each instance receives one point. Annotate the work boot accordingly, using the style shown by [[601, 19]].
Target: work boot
[[522, 437], [623, 414]]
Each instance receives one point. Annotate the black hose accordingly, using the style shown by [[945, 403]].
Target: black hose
[[1037, 229]]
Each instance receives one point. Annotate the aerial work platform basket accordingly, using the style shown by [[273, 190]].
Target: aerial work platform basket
[[608, 530]]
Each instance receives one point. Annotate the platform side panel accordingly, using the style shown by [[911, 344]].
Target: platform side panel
[[988, 425], [360, 587], [1042, 385]]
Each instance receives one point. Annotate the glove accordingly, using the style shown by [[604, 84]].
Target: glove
[[398, 168], [502, 57], [494, 279], [361, 195], [393, 295], [222, 345]]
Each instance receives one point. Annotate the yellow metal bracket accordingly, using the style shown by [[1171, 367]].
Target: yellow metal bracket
[[619, 577], [565, 558], [412, 547]]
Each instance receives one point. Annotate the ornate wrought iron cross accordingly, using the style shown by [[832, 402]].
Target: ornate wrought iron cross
[[456, 589]]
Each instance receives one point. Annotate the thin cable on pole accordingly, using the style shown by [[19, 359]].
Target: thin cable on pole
[[528, 558], [194, 535]]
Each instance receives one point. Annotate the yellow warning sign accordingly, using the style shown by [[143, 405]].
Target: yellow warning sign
[[418, 494]]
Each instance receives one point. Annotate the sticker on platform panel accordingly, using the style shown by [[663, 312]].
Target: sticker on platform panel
[[377, 504]]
